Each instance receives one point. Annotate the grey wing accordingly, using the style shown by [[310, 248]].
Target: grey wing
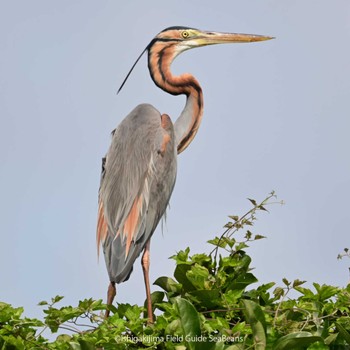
[[137, 180]]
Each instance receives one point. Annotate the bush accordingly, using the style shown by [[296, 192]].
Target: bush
[[206, 305]]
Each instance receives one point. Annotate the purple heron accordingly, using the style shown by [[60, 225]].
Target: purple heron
[[139, 170]]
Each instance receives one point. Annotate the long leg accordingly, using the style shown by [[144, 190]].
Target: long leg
[[110, 296], [145, 267]]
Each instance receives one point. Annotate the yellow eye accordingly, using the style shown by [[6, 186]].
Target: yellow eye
[[185, 34]]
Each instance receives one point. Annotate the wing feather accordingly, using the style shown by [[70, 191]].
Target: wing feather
[[102, 227], [136, 185]]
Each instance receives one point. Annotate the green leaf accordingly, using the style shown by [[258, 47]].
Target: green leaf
[[241, 245], [202, 259], [133, 313], [189, 320], [253, 201], [218, 242], [265, 287], [97, 305], [173, 327], [257, 237], [168, 284], [56, 299], [235, 347], [256, 319], [75, 346], [297, 283], [180, 347], [63, 338], [262, 208], [306, 292], [286, 282], [247, 222], [242, 281], [7, 312], [84, 345], [343, 332], [248, 235], [325, 291], [111, 308], [198, 276], [180, 275], [331, 338], [208, 298], [278, 292], [240, 261], [205, 343], [182, 256], [294, 341], [229, 225], [156, 298], [232, 296]]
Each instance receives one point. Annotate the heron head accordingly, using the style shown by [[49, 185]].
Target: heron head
[[185, 38], [179, 39]]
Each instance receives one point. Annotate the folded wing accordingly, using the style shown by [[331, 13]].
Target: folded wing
[[138, 176]]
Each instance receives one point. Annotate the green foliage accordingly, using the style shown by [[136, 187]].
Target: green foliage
[[208, 304]]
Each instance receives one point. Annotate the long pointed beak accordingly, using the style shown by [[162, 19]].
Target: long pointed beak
[[211, 38]]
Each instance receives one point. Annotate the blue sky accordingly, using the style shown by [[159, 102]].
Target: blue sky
[[276, 117]]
